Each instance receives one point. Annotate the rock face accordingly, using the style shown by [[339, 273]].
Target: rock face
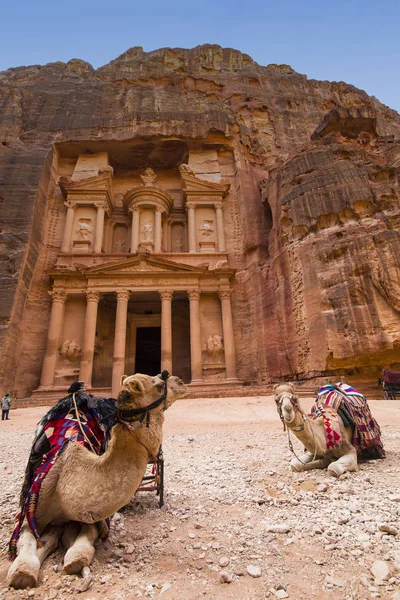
[[316, 185]]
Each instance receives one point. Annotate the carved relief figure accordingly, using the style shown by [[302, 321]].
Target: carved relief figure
[[70, 350], [215, 345], [119, 246], [84, 229], [207, 228], [147, 230], [149, 178]]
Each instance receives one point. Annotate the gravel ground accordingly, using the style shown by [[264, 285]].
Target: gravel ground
[[237, 522]]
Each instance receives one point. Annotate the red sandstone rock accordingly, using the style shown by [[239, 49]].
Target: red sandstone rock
[[313, 222]]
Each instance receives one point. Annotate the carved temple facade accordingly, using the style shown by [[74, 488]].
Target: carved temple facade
[[141, 281]]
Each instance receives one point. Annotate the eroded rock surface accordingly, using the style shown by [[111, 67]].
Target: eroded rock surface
[[315, 217]]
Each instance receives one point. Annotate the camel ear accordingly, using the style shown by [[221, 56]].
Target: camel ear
[[291, 386], [275, 388], [123, 377], [135, 386]]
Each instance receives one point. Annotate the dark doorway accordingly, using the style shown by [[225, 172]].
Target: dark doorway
[[148, 350]]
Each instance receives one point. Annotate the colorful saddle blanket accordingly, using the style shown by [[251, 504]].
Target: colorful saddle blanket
[[59, 431], [343, 397]]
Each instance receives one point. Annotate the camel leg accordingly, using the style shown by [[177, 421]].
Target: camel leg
[[309, 463], [71, 532], [347, 462], [24, 571], [82, 551]]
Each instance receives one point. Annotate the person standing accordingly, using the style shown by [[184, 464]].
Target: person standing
[[5, 407]]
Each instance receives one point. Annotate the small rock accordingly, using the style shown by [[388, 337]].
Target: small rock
[[223, 561], [280, 528], [192, 535], [281, 594], [394, 498], [225, 577], [322, 487], [335, 581], [165, 588], [199, 566], [130, 549], [253, 571], [380, 570], [388, 529]]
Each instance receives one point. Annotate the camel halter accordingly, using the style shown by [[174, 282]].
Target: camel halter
[[144, 411], [294, 403]]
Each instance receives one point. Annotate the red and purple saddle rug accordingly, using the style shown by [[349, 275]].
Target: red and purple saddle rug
[[59, 432], [367, 433]]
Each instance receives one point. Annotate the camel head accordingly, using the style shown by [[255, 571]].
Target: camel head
[[139, 391], [286, 403]]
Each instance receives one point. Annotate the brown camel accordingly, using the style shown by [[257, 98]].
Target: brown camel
[[86, 488], [311, 433]]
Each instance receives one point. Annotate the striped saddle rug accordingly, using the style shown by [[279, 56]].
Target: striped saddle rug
[[353, 408]]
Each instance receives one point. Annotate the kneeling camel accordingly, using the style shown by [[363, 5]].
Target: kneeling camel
[[85, 489]]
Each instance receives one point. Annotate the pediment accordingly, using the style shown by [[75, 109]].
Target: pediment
[[194, 185], [142, 264], [99, 182]]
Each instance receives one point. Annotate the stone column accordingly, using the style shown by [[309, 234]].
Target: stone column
[[157, 230], [191, 207], [53, 338], [220, 227], [69, 222], [166, 330], [195, 337], [89, 337], [135, 229], [229, 341], [99, 231], [119, 341]]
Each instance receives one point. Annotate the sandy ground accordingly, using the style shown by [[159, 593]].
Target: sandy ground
[[228, 483]]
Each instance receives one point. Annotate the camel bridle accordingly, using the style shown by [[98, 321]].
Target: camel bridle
[[137, 415], [295, 403]]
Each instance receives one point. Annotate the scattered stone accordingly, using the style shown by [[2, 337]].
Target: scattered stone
[[225, 577], [394, 498], [388, 529], [86, 581], [335, 581], [279, 528], [281, 594], [223, 561], [380, 570], [165, 588], [253, 571]]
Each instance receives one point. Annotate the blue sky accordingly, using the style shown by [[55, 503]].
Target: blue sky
[[356, 41]]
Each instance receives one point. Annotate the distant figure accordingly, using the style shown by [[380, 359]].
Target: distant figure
[[5, 407]]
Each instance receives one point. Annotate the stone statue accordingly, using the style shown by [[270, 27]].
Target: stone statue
[[149, 178], [215, 345], [207, 228], [178, 243], [119, 246], [186, 169], [70, 350], [84, 230], [147, 230]]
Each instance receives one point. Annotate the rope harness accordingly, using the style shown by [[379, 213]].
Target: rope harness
[[125, 416], [295, 404]]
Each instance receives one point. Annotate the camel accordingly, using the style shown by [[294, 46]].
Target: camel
[[82, 489], [311, 433]]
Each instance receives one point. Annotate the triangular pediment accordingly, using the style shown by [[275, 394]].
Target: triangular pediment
[[193, 184], [99, 182], [142, 264]]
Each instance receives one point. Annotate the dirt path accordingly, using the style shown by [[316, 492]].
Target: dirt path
[[227, 484]]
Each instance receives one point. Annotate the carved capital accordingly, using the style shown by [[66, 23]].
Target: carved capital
[[123, 295], [100, 204], [166, 294], [194, 294], [92, 296], [159, 209], [225, 294], [133, 209], [218, 205], [58, 296], [190, 205], [70, 204]]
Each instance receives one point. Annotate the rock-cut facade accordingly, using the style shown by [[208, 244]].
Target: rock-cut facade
[[191, 210]]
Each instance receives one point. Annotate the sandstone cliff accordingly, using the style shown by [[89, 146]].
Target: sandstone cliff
[[317, 186]]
